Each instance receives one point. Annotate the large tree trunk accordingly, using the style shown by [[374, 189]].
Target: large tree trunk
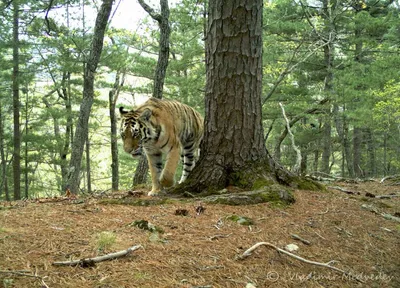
[[88, 95], [159, 77], [233, 151], [16, 105]]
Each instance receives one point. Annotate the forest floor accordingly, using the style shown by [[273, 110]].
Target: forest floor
[[200, 249]]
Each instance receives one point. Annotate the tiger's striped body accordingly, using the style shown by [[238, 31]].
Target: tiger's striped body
[[163, 127]]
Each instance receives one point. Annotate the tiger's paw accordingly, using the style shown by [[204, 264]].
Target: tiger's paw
[[165, 182], [153, 193]]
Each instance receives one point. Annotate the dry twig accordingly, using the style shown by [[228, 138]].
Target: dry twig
[[248, 252], [91, 261]]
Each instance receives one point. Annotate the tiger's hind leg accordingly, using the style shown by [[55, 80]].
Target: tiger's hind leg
[[171, 163], [189, 161]]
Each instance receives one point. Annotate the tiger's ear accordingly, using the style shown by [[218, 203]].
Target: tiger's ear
[[146, 114], [122, 111]]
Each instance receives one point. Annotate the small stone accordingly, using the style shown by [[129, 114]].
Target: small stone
[[291, 247]]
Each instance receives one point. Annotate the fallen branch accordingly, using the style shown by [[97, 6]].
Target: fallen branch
[[344, 190], [382, 196], [373, 209], [248, 252], [25, 273], [389, 178], [297, 237], [219, 236], [87, 262]]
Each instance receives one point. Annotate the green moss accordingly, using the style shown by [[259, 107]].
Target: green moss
[[240, 179], [261, 183], [145, 225], [307, 184], [242, 220]]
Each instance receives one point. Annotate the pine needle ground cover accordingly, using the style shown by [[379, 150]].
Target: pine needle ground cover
[[193, 244]]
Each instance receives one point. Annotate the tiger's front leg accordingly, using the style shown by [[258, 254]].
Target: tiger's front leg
[[171, 163], [155, 165]]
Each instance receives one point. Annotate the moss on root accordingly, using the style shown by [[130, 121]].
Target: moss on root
[[307, 184], [277, 195]]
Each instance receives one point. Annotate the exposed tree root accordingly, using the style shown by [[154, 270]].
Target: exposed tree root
[[248, 252]]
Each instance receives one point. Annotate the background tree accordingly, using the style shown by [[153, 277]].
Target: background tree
[[159, 75], [16, 104], [88, 95]]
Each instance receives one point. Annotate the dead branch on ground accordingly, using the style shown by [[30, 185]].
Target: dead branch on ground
[[344, 190], [374, 210], [297, 237], [390, 178], [25, 273], [88, 262], [390, 196], [248, 252]]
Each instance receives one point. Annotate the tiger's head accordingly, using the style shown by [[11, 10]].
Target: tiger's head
[[132, 126]]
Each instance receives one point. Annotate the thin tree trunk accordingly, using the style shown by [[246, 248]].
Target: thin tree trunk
[[357, 140], [88, 172], [16, 104], [369, 139], [81, 130], [66, 92], [357, 130], [385, 170], [347, 148], [4, 180], [328, 83], [159, 77], [112, 100], [326, 146], [26, 172]]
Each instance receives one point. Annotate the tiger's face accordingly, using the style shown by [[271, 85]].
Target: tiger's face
[[131, 132]]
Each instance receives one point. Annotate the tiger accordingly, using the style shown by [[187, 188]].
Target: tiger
[[160, 127]]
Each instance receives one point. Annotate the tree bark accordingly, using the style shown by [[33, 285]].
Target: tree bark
[[16, 104], [159, 76], [233, 151], [81, 130]]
